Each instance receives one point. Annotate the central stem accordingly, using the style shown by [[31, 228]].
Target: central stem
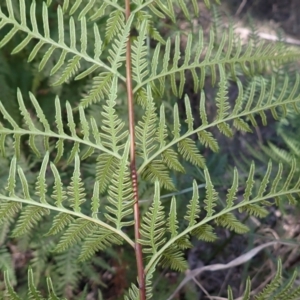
[[138, 246]]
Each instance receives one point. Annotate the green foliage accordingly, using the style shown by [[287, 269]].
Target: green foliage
[[88, 215]]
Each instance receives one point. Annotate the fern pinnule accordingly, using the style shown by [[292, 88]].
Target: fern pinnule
[[162, 132], [211, 195], [60, 222], [231, 194], [146, 129], [265, 181], [139, 55], [120, 195], [205, 233], [11, 181], [99, 89], [193, 208], [172, 220], [173, 258], [170, 158], [112, 134], [104, 166], [76, 190], [41, 185], [157, 170], [189, 115], [75, 233], [152, 227], [9, 292], [9, 210], [28, 219], [33, 293], [249, 183], [98, 240], [228, 220], [274, 285]]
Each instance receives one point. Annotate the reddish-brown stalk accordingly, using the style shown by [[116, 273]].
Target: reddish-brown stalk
[[138, 246]]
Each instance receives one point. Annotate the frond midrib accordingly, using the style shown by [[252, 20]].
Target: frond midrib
[[52, 134], [157, 255], [240, 60], [212, 124], [62, 46], [70, 212]]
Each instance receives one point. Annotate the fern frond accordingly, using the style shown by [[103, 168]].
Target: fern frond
[[61, 136], [66, 68], [152, 227]]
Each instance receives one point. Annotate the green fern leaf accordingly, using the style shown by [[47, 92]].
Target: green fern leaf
[[30, 216], [170, 158], [106, 163], [76, 189], [211, 195], [33, 293], [146, 129], [58, 194], [173, 258], [172, 220], [8, 210], [139, 55], [9, 289], [99, 240], [152, 227], [193, 208], [60, 222], [156, 170], [189, 151], [115, 23], [205, 233], [113, 133], [100, 88], [76, 232], [120, 195], [229, 221], [254, 210], [206, 138], [231, 195]]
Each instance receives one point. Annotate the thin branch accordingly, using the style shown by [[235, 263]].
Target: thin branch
[[138, 246]]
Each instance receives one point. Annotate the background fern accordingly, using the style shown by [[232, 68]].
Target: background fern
[[67, 168]]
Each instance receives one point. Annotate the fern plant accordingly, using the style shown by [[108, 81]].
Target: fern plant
[[131, 153]]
